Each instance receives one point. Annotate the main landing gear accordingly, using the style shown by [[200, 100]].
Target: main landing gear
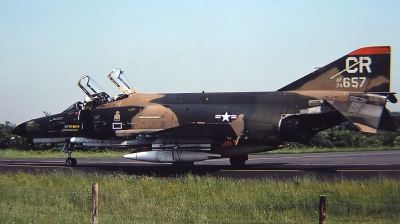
[[68, 148], [238, 160]]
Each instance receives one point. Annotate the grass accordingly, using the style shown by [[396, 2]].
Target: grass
[[106, 153], [66, 198]]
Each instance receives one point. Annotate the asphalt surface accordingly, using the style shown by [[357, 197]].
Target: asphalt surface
[[324, 166]]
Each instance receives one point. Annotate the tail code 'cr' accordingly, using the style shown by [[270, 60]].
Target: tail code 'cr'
[[364, 70]]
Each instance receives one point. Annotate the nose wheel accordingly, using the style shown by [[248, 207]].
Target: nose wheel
[[71, 162], [68, 148]]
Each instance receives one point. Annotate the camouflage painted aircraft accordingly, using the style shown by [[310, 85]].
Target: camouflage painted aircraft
[[189, 127]]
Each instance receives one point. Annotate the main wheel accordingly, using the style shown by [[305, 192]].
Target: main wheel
[[71, 162], [238, 160]]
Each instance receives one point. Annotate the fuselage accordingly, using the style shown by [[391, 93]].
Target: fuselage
[[253, 115]]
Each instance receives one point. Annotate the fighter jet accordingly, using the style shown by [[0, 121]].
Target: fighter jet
[[188, 127]]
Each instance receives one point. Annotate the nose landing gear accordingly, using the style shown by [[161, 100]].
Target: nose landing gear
[[68, 148], [71, 162]]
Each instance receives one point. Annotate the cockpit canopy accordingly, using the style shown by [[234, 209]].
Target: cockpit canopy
[[118, 77], [96, 95], [89, 86]]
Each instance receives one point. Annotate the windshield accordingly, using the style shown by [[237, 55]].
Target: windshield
[[74, 107], [119, 79]]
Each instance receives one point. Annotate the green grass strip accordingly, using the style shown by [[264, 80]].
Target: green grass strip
[[66, 198]]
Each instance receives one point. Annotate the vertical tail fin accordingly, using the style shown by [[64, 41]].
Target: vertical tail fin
[[364, 70], [365, 75]]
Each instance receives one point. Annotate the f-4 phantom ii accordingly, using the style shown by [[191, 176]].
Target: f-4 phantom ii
[[190, 127]]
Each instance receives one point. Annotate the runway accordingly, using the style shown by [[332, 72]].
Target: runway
[[325, 166]]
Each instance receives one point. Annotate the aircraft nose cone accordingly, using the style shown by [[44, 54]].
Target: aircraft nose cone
[[20, 130]]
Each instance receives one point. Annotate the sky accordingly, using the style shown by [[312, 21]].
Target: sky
[[178, 46]]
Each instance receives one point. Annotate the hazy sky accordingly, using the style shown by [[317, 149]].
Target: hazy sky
[[178, 46]]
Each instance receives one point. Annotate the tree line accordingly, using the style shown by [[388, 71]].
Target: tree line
[[342, 136]]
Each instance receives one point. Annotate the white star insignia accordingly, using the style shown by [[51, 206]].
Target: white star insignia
[[226, 117]]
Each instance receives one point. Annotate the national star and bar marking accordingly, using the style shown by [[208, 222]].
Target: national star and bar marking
[[226, 117]]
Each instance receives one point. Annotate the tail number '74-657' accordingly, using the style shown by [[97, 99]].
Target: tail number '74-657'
[[355, 82]]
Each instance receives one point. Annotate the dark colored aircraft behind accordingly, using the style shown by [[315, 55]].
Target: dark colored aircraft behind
[[189, 127]]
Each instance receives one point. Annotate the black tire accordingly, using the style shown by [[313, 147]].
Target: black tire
[[74, 162], [71, 162], [238, 160]]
